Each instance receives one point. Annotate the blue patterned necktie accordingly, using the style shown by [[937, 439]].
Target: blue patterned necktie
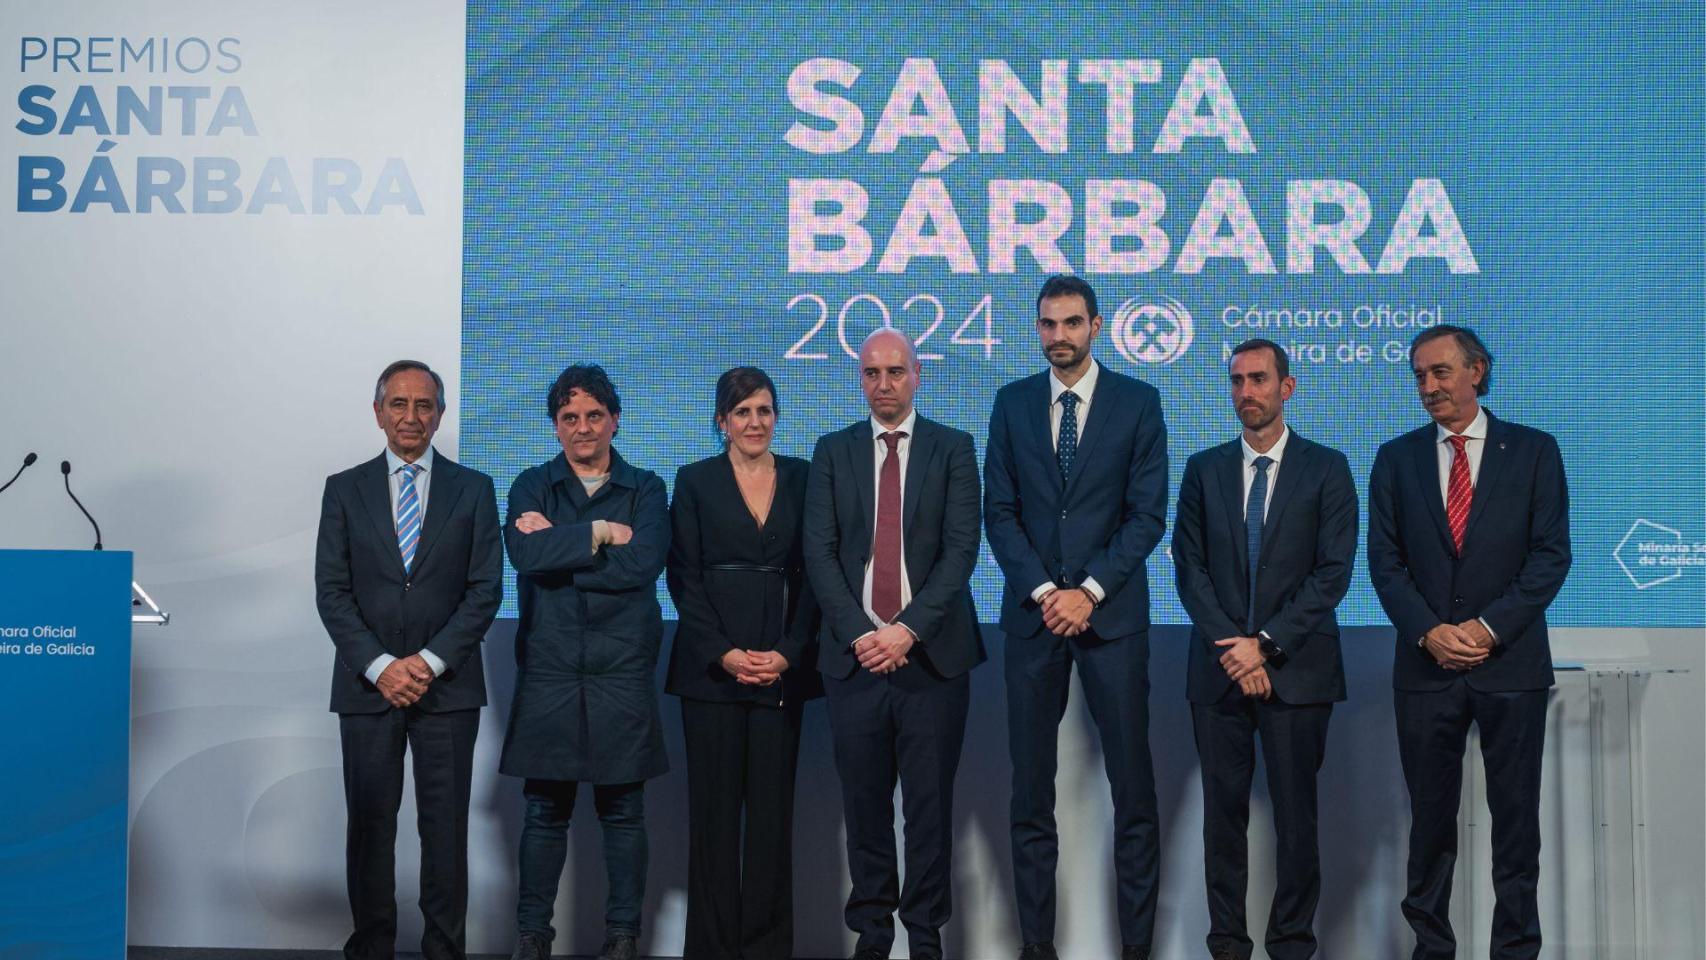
[[1066, 449], [408, 513], [1253, 517]]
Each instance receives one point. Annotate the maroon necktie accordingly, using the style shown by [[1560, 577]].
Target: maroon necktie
[[1459, 493], [885, 551]]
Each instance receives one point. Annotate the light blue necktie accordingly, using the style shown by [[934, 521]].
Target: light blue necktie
[[408, 513], [1066, 450], [1253, 518]]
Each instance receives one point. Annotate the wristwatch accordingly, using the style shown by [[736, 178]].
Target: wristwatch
[[1274, 653]]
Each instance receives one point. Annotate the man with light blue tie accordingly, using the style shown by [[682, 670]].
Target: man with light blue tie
[[1262, 550], [408, 571], [1075, 499]]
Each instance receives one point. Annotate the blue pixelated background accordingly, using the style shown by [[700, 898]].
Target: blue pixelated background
[[627, 184]]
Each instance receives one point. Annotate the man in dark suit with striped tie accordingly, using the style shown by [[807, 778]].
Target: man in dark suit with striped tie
[[408, 573], [1468, 542], [890, 539], [1262, 551]]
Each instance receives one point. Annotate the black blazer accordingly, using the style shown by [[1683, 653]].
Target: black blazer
[[1309, 539], [1516, 554], [940, 520], [1102, 522], [739, 586], [371, 606]]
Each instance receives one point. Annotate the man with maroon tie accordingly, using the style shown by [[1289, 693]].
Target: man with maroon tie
[[891, 536], [1468, 542]]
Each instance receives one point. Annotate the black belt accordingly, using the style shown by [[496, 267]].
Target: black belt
[[745, 567]]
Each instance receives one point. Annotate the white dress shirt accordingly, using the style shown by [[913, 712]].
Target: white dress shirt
[[423, 483], [1276, 453], [1477, 445], [903, 450], [1084, 390]]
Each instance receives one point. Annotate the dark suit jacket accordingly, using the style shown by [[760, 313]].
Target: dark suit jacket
[[1309, 539], [371, 606], [739, 586], [939, 521], [1102, 522], [1516, 553]]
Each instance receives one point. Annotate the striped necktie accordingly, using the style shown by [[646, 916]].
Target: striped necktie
[[1459, 492], [408, 513]]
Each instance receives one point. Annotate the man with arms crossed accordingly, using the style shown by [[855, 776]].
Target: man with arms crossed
[[1076, 498], [408, 574], [1262, 551], [1468, 542], [890, 540]]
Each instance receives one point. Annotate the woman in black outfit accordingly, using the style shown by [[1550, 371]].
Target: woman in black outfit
[[744, 663]]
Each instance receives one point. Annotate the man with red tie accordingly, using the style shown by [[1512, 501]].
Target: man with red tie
[[1468, 542], [890, 535]]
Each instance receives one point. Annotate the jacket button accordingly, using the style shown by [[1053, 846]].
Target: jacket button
[[407, 585], [1063, 514], [1458, 601]]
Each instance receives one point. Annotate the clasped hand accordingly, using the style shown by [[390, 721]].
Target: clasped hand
[[755, 668], [1464, 646], [884, 651], [1244, 663], [405, 680], [1067, 612]]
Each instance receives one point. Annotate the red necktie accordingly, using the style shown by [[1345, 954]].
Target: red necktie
[[885, 551], [1459, 493]]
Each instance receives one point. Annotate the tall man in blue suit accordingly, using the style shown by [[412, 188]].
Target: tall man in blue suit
[[1262, 552], [890, 540], [1075, 500], [1468, 542], [408, 574]]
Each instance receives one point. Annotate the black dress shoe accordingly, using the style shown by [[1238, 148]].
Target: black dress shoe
[[1037, 951], [531, 946], [1134, 952], [1223, 953], [870, 953], [618, 947]]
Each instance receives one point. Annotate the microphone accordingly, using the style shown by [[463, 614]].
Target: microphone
[[29, 458], [65, 468]]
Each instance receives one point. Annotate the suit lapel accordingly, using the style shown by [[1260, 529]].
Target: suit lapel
[[1094, 425], [1493, 456], [864, 463], [1290, 477], [375, 492], [1038, 411], [917, 465], [1427, 474], [446, 489], [1232, 501]]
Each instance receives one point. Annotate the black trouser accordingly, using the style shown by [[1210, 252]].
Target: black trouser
[[1294, 742], [443, 748], [1115, 678], [907, 725], [1433, 732], [740, 824]]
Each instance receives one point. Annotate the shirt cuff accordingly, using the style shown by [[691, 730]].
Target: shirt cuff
[[1042, 590], [1490, 631], [1095, 589], [377, 667], [432, 660]]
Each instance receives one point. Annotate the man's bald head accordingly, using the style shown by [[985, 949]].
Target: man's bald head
[[888, 373]]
